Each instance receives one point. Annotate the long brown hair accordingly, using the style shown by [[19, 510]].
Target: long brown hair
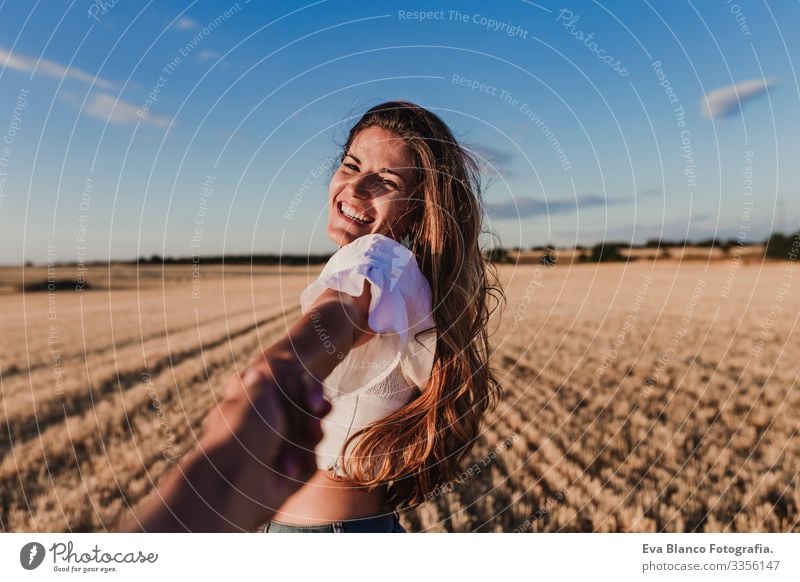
[[421, 446]]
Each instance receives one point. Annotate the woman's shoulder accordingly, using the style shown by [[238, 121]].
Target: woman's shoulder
[[401, 294], [376, 242], [381, 251]]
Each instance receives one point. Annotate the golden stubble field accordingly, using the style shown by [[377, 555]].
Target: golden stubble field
[[638, 397]]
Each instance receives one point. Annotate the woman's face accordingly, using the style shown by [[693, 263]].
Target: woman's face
[[370, 191]]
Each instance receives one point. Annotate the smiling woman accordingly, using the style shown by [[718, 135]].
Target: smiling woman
[[412, 381]]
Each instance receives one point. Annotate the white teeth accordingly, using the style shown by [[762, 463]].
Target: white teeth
[[348, 210]]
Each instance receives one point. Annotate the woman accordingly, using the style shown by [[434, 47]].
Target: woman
[[395, 325]]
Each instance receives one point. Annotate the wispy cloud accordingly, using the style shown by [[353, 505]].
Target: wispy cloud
[[650, 193], [526, 207], [208, 55], [186, 23], [28, 64], [108, 108], [726, 101], [492, 160]]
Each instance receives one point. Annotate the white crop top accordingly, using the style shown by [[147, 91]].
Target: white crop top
[[384, 373]]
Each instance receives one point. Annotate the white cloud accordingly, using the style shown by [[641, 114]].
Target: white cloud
[[185, 23], [208, 55], [726, 101], [108, 108], [28, 64]]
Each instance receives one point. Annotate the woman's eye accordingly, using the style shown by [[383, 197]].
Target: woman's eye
[[389, 184], [351, 167]]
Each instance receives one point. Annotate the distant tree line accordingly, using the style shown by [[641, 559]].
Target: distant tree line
[[777, 246], [780, 246], [236, 260]]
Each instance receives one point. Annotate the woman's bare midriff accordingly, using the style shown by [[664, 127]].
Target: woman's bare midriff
[[324, 499]]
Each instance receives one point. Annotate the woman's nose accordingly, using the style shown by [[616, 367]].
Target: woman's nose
[[362, 187]]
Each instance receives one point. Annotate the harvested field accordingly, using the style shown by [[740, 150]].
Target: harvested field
[[638, 397]]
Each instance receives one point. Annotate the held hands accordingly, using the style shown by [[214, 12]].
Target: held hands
[[265, 430]]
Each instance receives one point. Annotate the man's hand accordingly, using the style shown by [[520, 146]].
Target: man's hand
[[257, 443], [270, 413], [256, 449]]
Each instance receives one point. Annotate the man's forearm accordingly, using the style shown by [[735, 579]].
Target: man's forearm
[[323, 336], [195, 496]]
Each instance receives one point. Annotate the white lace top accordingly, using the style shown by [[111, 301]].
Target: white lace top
[[381, 375]]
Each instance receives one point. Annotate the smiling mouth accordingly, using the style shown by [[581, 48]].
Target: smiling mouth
[[349, 213]]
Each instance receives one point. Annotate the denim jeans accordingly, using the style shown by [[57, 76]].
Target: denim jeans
[[378, 523]]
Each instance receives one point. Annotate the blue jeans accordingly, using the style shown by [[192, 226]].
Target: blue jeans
[[378, 523]]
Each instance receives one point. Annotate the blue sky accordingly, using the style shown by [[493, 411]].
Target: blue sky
[[138, 128]]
